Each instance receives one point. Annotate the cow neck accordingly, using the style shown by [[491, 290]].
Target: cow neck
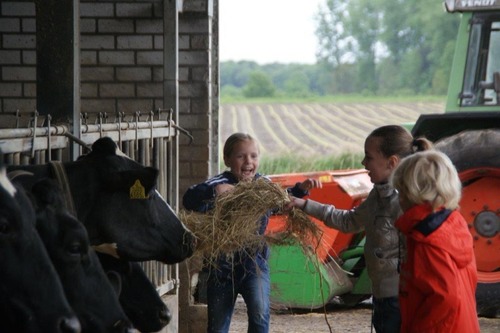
[[62, 179]]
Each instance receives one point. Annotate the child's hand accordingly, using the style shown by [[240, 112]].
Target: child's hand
[[294, 203], [310, 183], [221, 188]]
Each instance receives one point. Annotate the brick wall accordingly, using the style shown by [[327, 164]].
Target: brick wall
[[122, 68], [121, 56], [195, 93], [17, 56]]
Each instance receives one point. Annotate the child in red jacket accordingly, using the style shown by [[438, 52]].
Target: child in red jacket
[[438, 271]]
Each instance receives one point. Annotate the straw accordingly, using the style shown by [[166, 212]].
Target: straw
[[233, 223]]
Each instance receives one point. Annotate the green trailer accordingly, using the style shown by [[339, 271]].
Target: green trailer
[[300, 280]]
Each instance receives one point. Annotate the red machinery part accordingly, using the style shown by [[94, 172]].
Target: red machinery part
[[480, 205], [343, 188]]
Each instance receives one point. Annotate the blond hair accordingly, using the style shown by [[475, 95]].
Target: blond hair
[[428, 177], [235, 138]]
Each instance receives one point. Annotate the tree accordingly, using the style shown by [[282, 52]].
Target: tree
[[229, 90], [259, 85], [297, 85], [363, 23], [400, 28], [348, 33], [330, 32], [395, 45], [365, 46], [236, 73]]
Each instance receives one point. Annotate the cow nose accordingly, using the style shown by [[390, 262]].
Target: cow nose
[[165, 315], [190, 243], [69, 325], [123, 326]]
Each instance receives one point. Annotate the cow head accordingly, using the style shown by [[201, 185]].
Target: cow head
[[117, 200], [85, 284], [31, 295], [138, 296]]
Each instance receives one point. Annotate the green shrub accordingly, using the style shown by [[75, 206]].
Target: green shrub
[[292, 164]]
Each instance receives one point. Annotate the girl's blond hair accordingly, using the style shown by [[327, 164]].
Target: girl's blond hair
[[233, 139], [428, 177]]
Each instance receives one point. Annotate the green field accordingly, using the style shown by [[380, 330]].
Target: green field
[[317, 135]]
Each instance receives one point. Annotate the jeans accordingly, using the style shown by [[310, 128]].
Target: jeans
[[222, 290], [386, 315]]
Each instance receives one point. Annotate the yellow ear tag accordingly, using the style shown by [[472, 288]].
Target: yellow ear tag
[[137, 191]]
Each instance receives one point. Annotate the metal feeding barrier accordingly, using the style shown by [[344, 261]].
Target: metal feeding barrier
[[145, 137]]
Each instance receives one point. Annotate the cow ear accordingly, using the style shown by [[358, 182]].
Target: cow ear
[[149, 177], [47, 192], [145, 177], [143, 180], [104, 146], [116, 281]]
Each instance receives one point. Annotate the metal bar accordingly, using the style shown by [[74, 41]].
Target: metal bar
[[25, 144], [35, 116], [49, 147], [86, 128], [6, 133], [151, 137]]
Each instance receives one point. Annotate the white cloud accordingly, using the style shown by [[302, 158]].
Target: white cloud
[[267, 31]]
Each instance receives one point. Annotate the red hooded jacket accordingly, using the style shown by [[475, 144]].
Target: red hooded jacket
[[438, 275]]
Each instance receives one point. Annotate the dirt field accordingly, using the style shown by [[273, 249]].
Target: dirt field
[[316, 128], [336, 319]]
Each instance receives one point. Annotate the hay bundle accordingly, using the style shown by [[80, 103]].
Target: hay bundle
[[233, 224]]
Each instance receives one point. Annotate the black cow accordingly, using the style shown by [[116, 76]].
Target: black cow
[[138, 296], [31, 295], [85, 284], [115, 198]]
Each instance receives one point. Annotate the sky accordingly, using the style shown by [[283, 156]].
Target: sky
[[267, 31]]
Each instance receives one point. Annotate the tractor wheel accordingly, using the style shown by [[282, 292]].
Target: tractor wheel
[[476, 156], [488, 299], [472, 149]]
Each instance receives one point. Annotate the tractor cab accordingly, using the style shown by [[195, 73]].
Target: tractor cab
[[475, 79]]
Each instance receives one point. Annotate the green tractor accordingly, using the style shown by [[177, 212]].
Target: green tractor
[[469, 133]]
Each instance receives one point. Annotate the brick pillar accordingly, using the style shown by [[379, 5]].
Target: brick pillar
[[197, 95], [17, 56]]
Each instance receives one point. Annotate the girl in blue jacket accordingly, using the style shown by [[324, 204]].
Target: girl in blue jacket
[[247, 271]]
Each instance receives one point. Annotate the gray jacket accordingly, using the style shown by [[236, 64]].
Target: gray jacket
[[376, 215]]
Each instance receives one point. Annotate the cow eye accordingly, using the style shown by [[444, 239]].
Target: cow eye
[[4, 225], [75, 249], [129, 268]]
